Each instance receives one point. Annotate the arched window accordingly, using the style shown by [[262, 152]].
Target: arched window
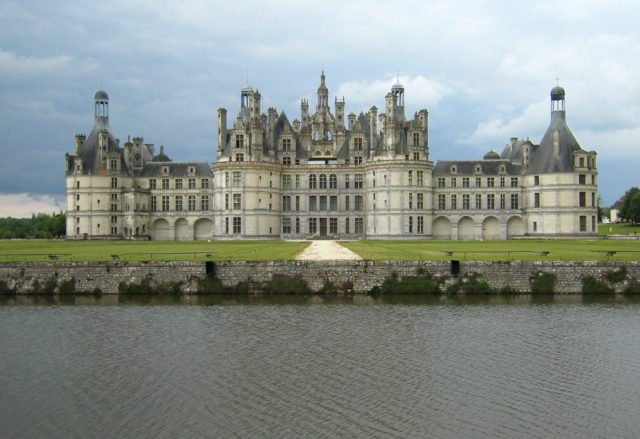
[[333, 181], [318, 153], [329, 135], [327, 153], [316, 136], [323, 181], [312, 181]]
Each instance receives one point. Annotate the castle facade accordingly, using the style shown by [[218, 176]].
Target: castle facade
[[327, 174]]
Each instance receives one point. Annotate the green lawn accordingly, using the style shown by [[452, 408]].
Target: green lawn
[[36, 250], [618, 229], [496, 250]]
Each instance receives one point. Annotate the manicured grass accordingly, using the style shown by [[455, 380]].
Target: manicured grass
[[618, 229], [496, 250], [38, 250]]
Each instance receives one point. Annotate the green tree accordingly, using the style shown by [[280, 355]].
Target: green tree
[[631, 206], [40, 226]]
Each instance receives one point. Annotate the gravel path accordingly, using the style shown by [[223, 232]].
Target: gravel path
[[327, 251]]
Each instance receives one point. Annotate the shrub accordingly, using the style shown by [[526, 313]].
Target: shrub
[[591, 285], [168, 289], [409, 285], [633, 287], [67, 286], [543, 283], [282, 284], [4, 288], [508, 290], [473, 284], [144, 287], [616, 276], [209, 285]]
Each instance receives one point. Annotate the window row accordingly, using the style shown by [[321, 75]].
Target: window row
[[163, 203], [488, 201], [178, 183], [478, 181]]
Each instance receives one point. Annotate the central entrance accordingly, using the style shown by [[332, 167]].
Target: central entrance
[[323, 227]]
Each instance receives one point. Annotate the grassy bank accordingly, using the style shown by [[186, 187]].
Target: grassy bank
[[40, 250], [532, 250], [618, 229]]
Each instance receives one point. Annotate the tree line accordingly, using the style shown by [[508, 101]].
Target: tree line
[[39, 226], [630, 210]]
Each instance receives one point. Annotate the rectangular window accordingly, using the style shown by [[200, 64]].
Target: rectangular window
[[226, 225], [420, 178], [358, 181], [583, 223], [593, 199], [583, 199], [478, 201], [535, 226], [227, 183], [286, 145], [204, 183], [416, 156], [536, 179], [333, 203], [420, 201], [237, 179], [465, 181], [357, 144], [346, 226], [114, 164], [192, 203], [502, 182], [114, 183], [581, 161], [204, 203], [358, 202], [165, 203], [346, 203], [323, 202], [346, 181], [454, 182], [114, 197], [440, 181], [536, 199], [503, 201], [297, 203], [582, 179], [420, 224], [297, 225], [478, 182], [410, 201], [297, 181], [239, 140], [179, 203], [410, 224], [490, 182], [286, 203], [454, 201], [359, 225], [165, 183], [152, 183], [466, 204], [593, 223], [313, 182], [357, 160], [441, 202], [514, 201], [286, 225], [154, 203], [333, 226], [237, 201], [410, 178], [514, 181], [416, 139], [312, 203], [286, 182], [286, 161], [192, 183], [178, 183], [313, 226], [491, 201], [237, 224], [226, 201]]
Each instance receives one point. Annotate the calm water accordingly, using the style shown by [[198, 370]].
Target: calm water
[[297, 367]]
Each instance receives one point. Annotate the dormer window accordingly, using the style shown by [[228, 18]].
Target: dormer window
[[416, 139], [357, 144], [453, 170], [502, 168], [239, 140], [192, 170], [286, 145], [478, 169], [165, 170]]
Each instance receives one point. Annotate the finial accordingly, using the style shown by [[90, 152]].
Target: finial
[[247, 75], [398, 76], [557, 81]]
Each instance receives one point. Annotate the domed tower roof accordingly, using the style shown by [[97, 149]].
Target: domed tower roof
[[491, 155], [557, 93], [101, 95], [162, 157]]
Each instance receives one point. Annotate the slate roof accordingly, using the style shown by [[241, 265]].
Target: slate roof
[[176, 169], [468, 167], [543, 158], [88, 151]]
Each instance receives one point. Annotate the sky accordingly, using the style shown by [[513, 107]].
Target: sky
[[483, 70]]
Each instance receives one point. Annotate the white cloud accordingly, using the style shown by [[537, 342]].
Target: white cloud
[[24, 205], [18, 66]]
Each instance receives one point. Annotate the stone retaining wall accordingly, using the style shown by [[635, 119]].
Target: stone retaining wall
[[361, 275]]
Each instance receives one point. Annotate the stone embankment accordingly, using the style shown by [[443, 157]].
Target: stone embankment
[[360, 276]]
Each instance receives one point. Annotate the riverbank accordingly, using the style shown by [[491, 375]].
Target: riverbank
[[304, 277]]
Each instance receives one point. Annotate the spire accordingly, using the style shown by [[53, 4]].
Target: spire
[[323, 93], [101, 107]]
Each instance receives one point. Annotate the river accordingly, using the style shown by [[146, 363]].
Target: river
[[320, 367]]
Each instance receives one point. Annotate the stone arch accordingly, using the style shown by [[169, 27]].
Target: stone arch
[[182, 230], [203, 229], [466, 229], [441, 228], [515, 227], [160, 230], [490, 228]]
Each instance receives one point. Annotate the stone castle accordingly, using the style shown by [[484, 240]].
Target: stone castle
[[327, 174]]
